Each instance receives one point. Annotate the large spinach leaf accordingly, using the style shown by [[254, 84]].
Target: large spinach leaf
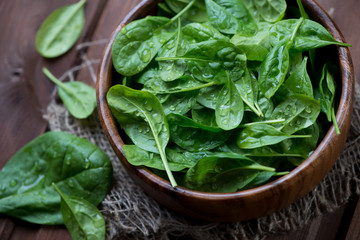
[[60, 30], [131, 107], [196, 13], [77, 166]]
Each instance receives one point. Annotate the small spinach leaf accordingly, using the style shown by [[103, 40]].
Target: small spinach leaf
[[299, 112], [229, 109], [60, 30], [298, 83], [138, 42], [79, 98], [260, 135], [81, 218]]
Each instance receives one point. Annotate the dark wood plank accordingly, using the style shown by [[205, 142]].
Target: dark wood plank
[[24, 90], [353, 231]]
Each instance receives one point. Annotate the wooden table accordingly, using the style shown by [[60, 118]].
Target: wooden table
[[25, 94]]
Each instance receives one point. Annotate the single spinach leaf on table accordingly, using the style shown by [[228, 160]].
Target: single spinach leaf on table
[[299, 112], [79, 98], [60, 30], [135, 108], [77, 166], [298, 82], [225, 173], [260, 135], [230, 17], [81, 218], [193, 136], [229, 109], [139, 157], [138, 42]]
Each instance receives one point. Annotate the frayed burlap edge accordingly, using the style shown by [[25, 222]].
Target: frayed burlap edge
[[131, 214]]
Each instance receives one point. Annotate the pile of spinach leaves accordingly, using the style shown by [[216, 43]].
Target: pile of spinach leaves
[[220, 95]]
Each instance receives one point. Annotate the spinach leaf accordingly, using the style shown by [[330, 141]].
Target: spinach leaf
[[79, 98], [180, 103], [196, 32], [311, 35], [260, 135], [77, 166], [193, 136], [209, 60], [227, 173], [298, 83], [129, 106], [185, 83], [138, 42], [230, 17], [229, 109], [248, 89], [255, 47], [197, 12], [179, 120], [327, 94], [271, 10], [299, 112], [139, 157], [171, 70], [274, 68], [207, 96], [60, 30], [204, 116], [81, 218]]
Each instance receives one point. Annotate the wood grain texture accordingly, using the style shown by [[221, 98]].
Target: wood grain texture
[[24, 91]]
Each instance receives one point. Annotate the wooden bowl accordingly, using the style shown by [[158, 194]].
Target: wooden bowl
[[248, 204]]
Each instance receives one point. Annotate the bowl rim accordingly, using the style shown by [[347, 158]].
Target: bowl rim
[[343, 115]]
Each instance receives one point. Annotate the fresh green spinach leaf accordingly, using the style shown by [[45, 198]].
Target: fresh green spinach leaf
[[77, 166], [60, 30], [79, 98], [131, 107], [81, 218]]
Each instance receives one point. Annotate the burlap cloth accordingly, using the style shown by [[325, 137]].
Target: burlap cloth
[[131, 214]]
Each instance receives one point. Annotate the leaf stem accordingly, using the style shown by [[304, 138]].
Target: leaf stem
[[333, 117], [281, 173], [55, 80], [281, 120], [182, 11], [259, 167], [300, 21]]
